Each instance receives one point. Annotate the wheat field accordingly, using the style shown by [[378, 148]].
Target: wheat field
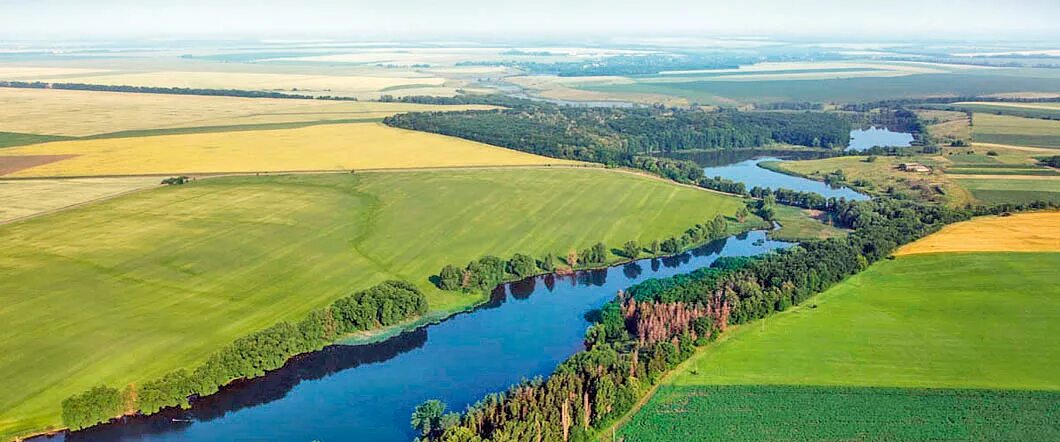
[[1025, 232], [314, 148], [83, 113]]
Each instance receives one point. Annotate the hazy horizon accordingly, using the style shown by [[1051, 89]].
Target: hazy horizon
[[943, 20]]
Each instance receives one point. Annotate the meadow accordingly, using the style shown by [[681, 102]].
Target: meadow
[[800, 224], [1024, 232], [799, 413], [84, 113], [1006, 129], [882, 175], [130, 288], [332, 147], [878, 327]]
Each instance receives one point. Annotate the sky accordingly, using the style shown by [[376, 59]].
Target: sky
[[396, 20]]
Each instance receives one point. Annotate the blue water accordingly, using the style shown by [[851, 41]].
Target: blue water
[[748, 172], [367, 392], [861, 139]]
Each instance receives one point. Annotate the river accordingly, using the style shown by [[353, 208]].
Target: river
[[742, 166], [367, 392]]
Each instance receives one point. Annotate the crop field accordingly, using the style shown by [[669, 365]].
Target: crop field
[[84, 113], [130, 288], [1030, 110], [343, 85], [23, 198], [797, 413], [312, 148], [857, 89], [1022, 232], [1005, 129], [1011, 188], [876, 328]]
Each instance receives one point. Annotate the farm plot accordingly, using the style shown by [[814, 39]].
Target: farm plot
[[914, 348], [24, 198], [1019, 131], [796, 413], [82, 113], [1024, 232], [131, 288], [333, 147]]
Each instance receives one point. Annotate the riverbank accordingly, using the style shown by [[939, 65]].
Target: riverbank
[[525, 329]]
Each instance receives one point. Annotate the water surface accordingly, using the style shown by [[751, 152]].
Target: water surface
[[861, 139]]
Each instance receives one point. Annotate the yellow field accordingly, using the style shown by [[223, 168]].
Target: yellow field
[[1025, 232], [1046, 105], [81, 113], [298, 83], [324, 147], [24, 198]]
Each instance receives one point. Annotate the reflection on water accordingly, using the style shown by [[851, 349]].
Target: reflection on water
[[367, 392]]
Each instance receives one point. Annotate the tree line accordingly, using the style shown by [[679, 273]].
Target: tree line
[[657, 324], [386, 304], [485, 273]]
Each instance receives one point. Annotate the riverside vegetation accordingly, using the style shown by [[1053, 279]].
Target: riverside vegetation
[[656, 325]]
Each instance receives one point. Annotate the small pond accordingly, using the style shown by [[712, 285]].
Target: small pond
[[861, 139]]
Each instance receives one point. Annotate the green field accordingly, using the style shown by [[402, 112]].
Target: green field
[[962, 321], [9, 139], [790, 413], [797, 225], [994, 191], [841, 89], [1018, 131], [1030, 110], [131, 288]]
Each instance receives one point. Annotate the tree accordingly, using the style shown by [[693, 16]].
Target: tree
[[741, 214], [522, 265], [427, 417], [548, 264], [572, 258], [655, 247], [599, 253], [450, 278], [631, 249]]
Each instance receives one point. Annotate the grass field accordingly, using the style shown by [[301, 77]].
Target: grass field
[[800, 224], [1031, 110], [83, 113], [883, 175], [130, 288], [1014, 189], [954, 320], [22, 198], [1022, 232], [1005, 129], [790, 413], [324, 147]]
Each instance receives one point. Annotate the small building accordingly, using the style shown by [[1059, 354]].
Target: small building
[[914, 167]]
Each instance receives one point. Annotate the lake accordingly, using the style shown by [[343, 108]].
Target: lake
[[367, 392], [861, 139]]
